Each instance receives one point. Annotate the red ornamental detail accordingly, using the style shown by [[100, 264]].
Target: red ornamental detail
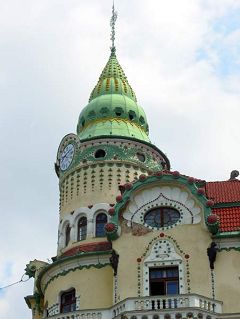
[[160, 173], [187, 256], [128, 186], [212, 219], [191, 180], [119, 198], [142, 177], [139, 260], [161, 235], [176, 174], [210, 203], [201, 191], [110, 227], [111, 211]]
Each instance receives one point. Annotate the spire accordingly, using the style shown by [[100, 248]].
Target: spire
[[112, 24], [112, 109]]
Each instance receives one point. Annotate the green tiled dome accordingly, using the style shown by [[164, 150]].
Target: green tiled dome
[[113, 108]]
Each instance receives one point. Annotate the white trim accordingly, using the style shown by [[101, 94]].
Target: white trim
[[73, 217], [162, 254], [163, 196]]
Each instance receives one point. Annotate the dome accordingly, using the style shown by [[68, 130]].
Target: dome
[[113, 108]]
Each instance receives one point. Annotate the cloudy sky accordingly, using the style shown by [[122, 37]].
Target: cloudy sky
[[182, 60]]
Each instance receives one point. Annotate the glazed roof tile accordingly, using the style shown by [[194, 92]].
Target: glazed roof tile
[[229, 218], [223, 192]]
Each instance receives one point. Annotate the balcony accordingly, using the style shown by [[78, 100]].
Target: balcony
[[162, 307]]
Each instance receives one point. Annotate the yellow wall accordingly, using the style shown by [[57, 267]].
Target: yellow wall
[[73, 197], [227, 272], [193, 240], [93, 285]]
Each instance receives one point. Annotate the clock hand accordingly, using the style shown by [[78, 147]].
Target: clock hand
[[66, 154]]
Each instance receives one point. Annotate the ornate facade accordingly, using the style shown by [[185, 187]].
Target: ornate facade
[[136, 240]]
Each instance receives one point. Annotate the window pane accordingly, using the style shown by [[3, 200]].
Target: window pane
[[172, 272], [82, 228], [101, 220], [172, 287], [158, 273], [161, 216], [68, 301], [67, 235]]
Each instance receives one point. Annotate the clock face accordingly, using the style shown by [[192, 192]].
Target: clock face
[[66, 157]]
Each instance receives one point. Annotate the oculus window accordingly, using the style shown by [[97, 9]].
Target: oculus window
[[161, 217]]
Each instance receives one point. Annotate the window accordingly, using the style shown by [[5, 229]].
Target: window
[[141, 157], [100, 153], [161, 216], [68, 301], [67, 234], [131, 115], [101, 220], [119, 111], [163, 281], [82, 228]]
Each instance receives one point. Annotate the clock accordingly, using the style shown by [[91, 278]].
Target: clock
[[67, 157]]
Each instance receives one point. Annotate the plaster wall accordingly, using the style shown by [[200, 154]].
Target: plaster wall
[[193, 240], [89, 185], [227, 279], [94, 286]]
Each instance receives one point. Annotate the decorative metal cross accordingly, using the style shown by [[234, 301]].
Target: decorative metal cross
[[112, 24]]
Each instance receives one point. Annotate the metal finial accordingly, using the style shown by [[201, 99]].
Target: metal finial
[[112, 24]]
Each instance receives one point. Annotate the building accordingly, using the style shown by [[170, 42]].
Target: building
[[136, 239]]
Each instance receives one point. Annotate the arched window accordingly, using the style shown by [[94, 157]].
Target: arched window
[[82, 228], [101, 220], [68, 301], [67, 234], [161, 217]]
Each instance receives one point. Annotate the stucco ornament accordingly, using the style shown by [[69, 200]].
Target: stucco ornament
[[162, 253], [163, 196]]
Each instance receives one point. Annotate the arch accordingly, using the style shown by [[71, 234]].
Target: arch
[[101, 220], [82, 228]]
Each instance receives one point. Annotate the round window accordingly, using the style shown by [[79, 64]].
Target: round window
[[141, 157], [100, 153], [161, 217]]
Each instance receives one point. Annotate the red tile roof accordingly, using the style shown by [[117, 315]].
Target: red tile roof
[[89, 247], [223, 192], [229, 218]]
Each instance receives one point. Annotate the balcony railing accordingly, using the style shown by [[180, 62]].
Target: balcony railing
[[166, 307]]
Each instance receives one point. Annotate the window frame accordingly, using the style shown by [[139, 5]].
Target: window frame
[[100, 223], [164, 280], [163, 214], [67, 234], [82, 228], [71, 303]]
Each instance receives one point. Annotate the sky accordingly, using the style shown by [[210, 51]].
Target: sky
[[180, 57]]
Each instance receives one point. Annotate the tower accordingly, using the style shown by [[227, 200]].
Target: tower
[[132, 235]]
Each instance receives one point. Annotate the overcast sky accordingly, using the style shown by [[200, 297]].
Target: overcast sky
[[180, 57]]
